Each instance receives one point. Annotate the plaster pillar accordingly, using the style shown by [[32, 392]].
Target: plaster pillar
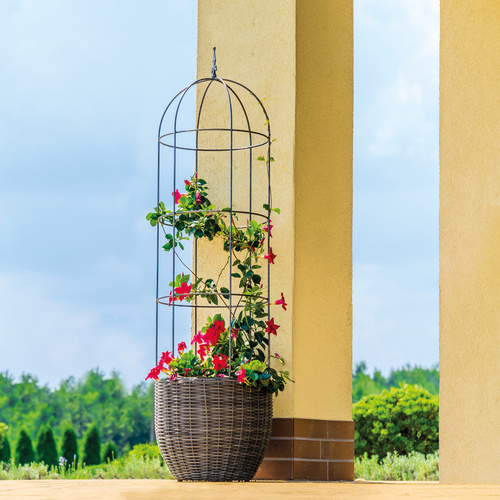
[[470, 242], [298, 56]]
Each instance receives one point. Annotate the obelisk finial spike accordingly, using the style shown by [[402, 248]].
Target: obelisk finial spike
[[214, 67]]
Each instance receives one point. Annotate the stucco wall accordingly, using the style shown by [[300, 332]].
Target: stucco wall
[[297, 55], [470, 241]]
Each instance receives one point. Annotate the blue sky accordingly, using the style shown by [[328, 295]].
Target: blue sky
[[83, 85]]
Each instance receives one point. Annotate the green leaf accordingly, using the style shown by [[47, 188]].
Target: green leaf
[[261, 158]]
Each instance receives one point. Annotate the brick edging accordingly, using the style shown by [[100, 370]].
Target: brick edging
[[308, 449]]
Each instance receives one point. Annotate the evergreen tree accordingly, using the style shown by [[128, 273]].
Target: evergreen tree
[[92, 447], [5, 451], [110, 452], [46, 447], [69, 449], [24, 449]]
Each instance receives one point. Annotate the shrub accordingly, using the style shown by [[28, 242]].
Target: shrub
[[147, 450], [413, 467], [46, 447], [69, 448], [24, 449], [401, 420], [92, 447], [5, 452], [110, 452], [3, 431]]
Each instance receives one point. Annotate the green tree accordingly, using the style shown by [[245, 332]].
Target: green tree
[[401, 420], [110, 452], [46, 447], [24, 449], [69, 448], [5, 452], [426, 378], [122, 416], [365, 385], [92, 447]]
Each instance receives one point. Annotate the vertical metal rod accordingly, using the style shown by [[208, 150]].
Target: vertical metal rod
[[230, 230], [198, 119], [157, 256], [173, 234], [268, 241]]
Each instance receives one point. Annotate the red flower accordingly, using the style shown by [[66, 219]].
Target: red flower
[[220, 362], [154, 373], [242, 375], [270, 256], [281, 302], [187, 183], [197, 338], [198, 198], [183, 291], [219, 326], [186, 371], [202, 352], [177, 196], [181, 347], [213, 333], [173, 376], [170, 299], [272, 327], [166, 357], [268, 227]]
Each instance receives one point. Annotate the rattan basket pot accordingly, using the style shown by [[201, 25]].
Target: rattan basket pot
[[211, 429]]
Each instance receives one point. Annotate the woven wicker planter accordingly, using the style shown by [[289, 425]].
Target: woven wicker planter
[[211, 429]]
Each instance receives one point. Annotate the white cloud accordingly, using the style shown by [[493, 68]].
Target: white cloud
[[396, 57], [395, 318], [54, 337]]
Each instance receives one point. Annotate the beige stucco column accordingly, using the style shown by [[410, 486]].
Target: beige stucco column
[[298, 56], [470, 241]]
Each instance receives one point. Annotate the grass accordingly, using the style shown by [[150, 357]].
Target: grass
[[412, 467], [129, 467], [144, 462]]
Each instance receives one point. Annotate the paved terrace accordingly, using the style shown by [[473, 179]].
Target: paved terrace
[[145, 489]]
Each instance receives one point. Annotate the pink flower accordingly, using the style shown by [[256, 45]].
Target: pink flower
[[281, 302], [268, 227], [154, 373], [183, 291], [242, 375], [198, 198], [272, 327], [181, 347], [235, 332], [173, 376], [186, 371], [177, 196], [270, 256]]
